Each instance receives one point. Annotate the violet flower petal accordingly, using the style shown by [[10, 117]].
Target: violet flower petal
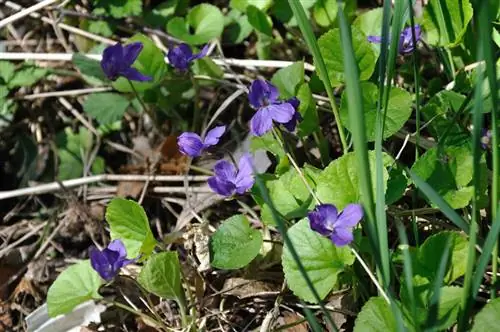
[[375, 39], [100, 262], [261, 122], [244, 178], [323, 218], [134, 75], [118, 246], [213, 136], [179, 57], [406, 39], [341, 236], [262, 93], [111, 58], [281, 113], [292, 124], [131, 52], [225, 170], [203, 53], [190, 144], [220, 186], [350, 216]]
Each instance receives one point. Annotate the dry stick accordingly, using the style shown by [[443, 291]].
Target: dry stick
[[78, 116], [54, 186], [68, 57], [25, 12], [222, 108], [65, 93], [63, 26]]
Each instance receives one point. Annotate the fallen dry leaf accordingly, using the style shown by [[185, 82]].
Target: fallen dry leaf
[[245, 288], [290, 318]]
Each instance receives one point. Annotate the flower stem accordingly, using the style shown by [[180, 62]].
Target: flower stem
[[196, 113], [138, 313], [143, 105]]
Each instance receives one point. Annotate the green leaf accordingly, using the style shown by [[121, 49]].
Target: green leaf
[[449, 170], [331, 50], [158, 16], [428, 261], [242, 5], [72, 150], [307, 108], [101, 28], [283, 12], [150, 62], [7, 70], [375, 316], [238, 28], [75, 285], [289, 195], [322, 260], [234, 244], [370, 22], [338, 183], [487, 318], [106, 107], [4, 92], [129, 223], [288, 79], [325, 12], [440, 112], [396, 185], [118, 8], [161, 275], [267, 142], [205, 20], [206, 66], [398, 110], [445, 21], [449, 306], [90, 69], [259, 20], [27, 76]]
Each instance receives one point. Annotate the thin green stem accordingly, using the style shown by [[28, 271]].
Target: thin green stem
[[196, 113], [417, 118], [138, 313], [143, 105]]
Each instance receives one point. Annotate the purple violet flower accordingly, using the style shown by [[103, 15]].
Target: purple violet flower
[[297, 117], [117, 61], [326, 220], [180, 57], [485, 138], [263, 96], [228, 180], [110, 260], [405, 39], [192, 145]]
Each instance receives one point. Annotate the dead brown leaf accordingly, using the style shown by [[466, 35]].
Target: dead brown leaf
[[129, 189], [291, 318], [246, 288]]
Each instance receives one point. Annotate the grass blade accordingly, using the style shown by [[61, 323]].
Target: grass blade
[[407, 269], [438, 283], [435, 198], [310, 38], [357, 119], [491, 241], [485, 52]]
